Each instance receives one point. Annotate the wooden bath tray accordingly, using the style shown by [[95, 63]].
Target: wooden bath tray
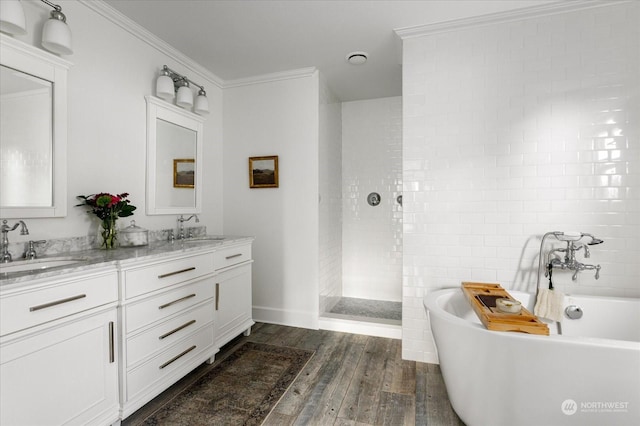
[[482, 298]]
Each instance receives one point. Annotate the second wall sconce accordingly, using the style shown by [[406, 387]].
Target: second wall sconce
[[56, 35], [172, 85]]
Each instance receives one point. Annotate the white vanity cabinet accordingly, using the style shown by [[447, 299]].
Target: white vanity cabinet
[[58, 354], [167, 319], [233, 292]]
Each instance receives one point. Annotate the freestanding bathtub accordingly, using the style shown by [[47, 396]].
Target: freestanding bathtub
[[589, 375]]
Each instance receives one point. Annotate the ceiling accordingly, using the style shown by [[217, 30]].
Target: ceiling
[[237, 39]]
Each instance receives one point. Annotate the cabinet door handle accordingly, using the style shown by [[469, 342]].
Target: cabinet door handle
[[233, 255], [175, 330], [166, 305], [175, 358], [112, 353], [57, 302], [193, 268], [217, 294]]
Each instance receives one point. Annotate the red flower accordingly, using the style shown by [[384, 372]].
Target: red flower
[[107, 206]]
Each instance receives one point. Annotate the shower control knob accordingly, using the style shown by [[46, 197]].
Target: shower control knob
[[374, 199], [573, 312]]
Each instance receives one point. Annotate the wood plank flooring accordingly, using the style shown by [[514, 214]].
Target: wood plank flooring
[[352, 380]]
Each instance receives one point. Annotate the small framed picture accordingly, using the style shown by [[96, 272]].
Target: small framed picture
[[263, 172], [184, 173]]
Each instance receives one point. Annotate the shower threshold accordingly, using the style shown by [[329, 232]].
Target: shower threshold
[[362, 316]]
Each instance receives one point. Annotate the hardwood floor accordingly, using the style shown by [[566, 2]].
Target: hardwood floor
[[351, 380]]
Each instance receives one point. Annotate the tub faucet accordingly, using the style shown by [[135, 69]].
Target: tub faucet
[[181, 221], [570, 262], [6, 256]]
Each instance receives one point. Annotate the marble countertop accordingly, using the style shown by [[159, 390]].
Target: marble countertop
[[97, 258]]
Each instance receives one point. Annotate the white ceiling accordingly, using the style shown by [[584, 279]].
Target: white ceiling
[[236, 39]]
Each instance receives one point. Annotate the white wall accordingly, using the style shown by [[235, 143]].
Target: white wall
[[276, 118], [372, 162], [512, 130], [112, 71], [330, 203]]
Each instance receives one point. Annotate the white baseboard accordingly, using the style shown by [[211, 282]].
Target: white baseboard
[[286, 317]]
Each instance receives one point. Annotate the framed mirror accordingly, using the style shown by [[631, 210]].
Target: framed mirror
[[174, 159], [33, 131]]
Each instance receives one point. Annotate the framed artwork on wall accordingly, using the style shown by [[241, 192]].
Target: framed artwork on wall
[[263, 172], [184, 172]]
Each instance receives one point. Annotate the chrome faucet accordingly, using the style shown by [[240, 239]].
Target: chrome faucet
[[570, 262], [181, 221], [30, 252], [6, 256]]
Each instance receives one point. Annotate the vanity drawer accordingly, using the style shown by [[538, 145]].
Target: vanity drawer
[[167, 333], [232, 256], [60, 299], [165, 363], [160, 275], [163, 305]]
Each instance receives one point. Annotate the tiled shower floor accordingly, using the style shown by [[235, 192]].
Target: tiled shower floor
[[364, 309]]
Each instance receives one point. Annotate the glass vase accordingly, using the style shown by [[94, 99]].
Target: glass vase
[[109, 234]]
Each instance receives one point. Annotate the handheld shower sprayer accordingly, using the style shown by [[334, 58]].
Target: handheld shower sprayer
[[575, 236], [594, 240]]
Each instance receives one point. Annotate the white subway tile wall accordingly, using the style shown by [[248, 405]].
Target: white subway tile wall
[[372, 162], [512, 130], [330, 203]]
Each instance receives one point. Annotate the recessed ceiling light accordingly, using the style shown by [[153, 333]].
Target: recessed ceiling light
[[357, 58]]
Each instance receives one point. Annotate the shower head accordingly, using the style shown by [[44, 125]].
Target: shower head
[[594, 240]]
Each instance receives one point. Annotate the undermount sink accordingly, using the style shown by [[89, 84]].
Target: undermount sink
[[39, 264], [201, 240]]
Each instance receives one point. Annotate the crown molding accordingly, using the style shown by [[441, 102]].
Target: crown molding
[[503, 17], [267, 78], [151, 39]]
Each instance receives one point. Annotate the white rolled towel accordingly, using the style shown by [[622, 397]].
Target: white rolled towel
[[549, 304]]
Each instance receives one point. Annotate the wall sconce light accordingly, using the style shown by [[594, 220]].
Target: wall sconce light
[[172, 85], [12, 19], [56, 35], [184, 97]]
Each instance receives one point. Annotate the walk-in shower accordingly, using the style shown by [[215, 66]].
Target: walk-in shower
[[366, 297]]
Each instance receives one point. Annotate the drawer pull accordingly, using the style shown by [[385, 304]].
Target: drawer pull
[[112, 353], [233, 255], [57, 302], [217, 295], [169, 333], [193, 268], [175, 358], [166, 305]]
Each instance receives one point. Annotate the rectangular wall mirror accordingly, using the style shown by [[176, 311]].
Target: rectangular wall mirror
[[33, 131], [174, 159]]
